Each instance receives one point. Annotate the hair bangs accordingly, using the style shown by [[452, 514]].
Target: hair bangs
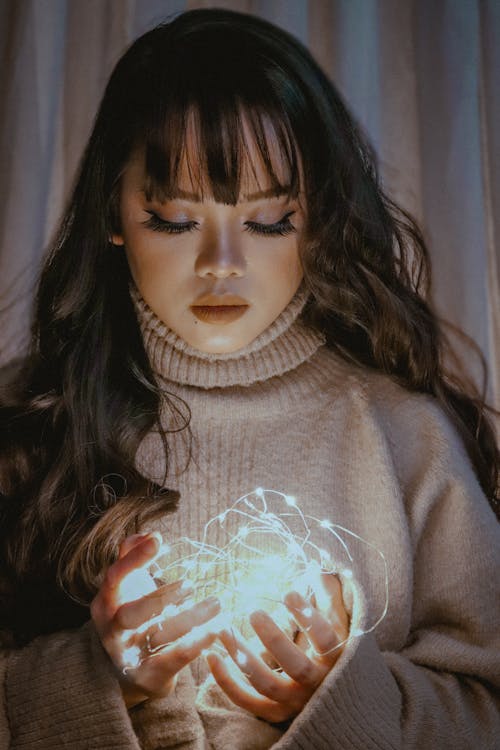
[[209, 146]]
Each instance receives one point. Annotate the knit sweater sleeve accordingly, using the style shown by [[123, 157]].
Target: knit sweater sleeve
[[59, 691], [442, 688]]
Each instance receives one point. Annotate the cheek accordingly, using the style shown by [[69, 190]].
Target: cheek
[[280, 274], [149, 259], [284, 265]]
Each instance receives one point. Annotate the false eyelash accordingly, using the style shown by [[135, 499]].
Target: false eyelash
[[282, 227], [171, 227]]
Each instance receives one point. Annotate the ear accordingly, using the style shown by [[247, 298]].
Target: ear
[[116, 239]]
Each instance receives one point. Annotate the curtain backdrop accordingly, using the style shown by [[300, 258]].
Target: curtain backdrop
[[421, 76]]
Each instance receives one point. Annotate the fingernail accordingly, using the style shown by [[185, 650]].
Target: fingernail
[[294, 599], [156, 536], [260, 614], [211, 601], [151, 544]]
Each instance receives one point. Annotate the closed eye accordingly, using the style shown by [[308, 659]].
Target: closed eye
[[281, 227], [172, 227]]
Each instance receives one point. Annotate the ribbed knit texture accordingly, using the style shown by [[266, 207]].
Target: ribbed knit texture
[[61, 692], [175, 716], [280, 348], [357, 449], [287, 413]]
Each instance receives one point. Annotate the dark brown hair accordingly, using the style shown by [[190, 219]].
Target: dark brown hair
[[85, 395]]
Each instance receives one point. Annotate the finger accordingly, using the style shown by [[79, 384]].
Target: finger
[[289, 656], [129, 543], [320, 632], [173, 657], [134, 614], [156, 670], [137, 557], [337, 613], [264, 680], [177, 626], [242, 694]]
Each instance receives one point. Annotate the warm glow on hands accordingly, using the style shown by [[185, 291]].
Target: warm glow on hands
[[279, 692], [266, 556]]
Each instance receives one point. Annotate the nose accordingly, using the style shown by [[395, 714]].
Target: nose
[[220, 257]]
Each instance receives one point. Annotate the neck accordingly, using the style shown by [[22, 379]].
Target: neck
[[282, 347]]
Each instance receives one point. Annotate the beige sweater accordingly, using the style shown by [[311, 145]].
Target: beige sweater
[[352, 446]]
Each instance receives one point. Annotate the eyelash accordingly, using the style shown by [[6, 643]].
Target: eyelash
[[281, 227]]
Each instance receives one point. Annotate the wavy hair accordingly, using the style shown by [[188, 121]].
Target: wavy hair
[[85, 395]]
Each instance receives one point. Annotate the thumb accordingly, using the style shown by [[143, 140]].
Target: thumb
[[130, 542]]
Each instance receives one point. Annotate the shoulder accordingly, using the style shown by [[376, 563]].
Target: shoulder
[[415, 423], [381, 396], [419, 435], [404, 442]]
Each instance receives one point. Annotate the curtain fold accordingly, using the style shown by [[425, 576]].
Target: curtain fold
[[421, 77]]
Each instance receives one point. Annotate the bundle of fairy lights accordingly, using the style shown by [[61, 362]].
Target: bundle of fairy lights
[[250, 556]]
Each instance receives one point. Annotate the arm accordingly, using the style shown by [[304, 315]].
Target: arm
[[60, 691], [64, 690], [441, 690], [172, 721]]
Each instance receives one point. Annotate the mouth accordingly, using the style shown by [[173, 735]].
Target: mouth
[[223, 308]]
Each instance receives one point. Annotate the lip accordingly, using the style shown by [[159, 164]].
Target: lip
[[219, 313], [219, 300], [219, 308]]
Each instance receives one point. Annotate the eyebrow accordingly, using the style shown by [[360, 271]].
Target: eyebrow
[[274, 192]]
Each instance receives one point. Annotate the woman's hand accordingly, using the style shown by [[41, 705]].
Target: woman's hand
[[275, 696], [156, 674]]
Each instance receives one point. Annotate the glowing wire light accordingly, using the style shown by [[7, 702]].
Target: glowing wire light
[[250, 557]]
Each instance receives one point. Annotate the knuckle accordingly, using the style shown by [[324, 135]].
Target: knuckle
[[326, 646], [183, 653], [268, 688], [111, 578], [305, 674], [115, 626], [120, 619], [273, 641]]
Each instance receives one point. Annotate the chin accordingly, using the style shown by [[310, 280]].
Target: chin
[[220, 344], [221, 347]]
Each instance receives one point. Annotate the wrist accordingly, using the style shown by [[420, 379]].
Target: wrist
[[131, 696]]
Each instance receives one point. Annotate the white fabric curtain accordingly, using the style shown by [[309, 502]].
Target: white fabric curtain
[[422, 77]]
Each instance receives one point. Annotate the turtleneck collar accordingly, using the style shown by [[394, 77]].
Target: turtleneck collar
[[283, 346]]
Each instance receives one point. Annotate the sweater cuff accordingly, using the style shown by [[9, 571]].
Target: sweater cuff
[[172, 721], [357, 706], [61, 692]]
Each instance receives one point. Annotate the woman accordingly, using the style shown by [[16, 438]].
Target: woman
[[224, 171]]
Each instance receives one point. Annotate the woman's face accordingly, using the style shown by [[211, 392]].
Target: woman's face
[[218, 275]]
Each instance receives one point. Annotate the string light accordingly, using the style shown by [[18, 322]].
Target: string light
[[250, 557]]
